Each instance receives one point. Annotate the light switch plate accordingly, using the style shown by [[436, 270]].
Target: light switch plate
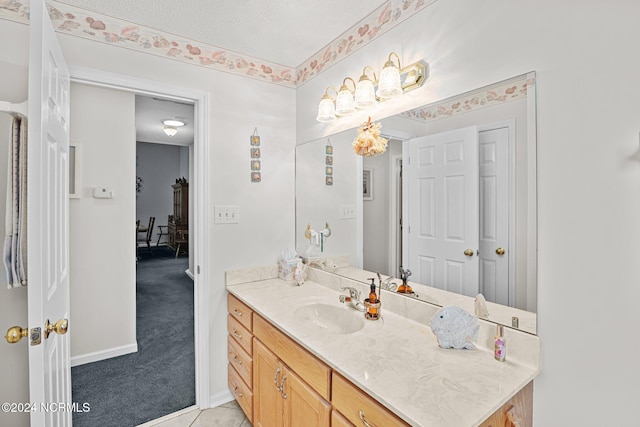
[[347, 211], [226, 214]]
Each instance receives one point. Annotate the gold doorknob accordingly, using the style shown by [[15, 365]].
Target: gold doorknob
[[60, 327], [468, 252], [15, 334], [500, 251]]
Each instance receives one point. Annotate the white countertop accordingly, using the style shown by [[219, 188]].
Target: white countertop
[[397, 360]]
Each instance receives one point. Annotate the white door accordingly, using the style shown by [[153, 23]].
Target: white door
[[494, 215], [442, 210], [48, 219]]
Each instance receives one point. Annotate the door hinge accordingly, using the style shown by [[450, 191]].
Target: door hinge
[[198, 270]]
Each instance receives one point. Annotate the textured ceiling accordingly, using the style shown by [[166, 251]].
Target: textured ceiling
[[286, 32]]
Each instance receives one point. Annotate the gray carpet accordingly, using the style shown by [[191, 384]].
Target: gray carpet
[[160, 378]]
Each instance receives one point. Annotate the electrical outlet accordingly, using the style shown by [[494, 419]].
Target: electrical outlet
[[347, 211], [226, 214]]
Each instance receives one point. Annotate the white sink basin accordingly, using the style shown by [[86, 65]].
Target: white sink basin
[[330, 319]]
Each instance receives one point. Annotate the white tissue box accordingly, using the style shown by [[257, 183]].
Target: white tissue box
[[286, 268]]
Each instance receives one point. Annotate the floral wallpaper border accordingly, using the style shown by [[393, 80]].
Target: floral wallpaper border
[[82, 23], [500, 93], [387, 16], [75, 21]]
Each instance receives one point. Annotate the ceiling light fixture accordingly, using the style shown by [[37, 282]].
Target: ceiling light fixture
[[170, 126], [394, 80]]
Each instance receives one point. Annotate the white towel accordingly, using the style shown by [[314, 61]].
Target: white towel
[[15, 243]]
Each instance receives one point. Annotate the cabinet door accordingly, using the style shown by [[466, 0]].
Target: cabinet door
[[302, 405], [267, 399]]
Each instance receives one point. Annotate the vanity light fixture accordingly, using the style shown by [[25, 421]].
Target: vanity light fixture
[[394, 80], [344, 100], [365, 92], [170, 126], [389, 84], [326, 109]]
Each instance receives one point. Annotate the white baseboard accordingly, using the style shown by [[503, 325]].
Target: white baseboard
[[171, 416], [189, 273], [221, 398], [104, 354]]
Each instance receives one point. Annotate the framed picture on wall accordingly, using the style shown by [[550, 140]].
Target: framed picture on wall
[[367, 184]]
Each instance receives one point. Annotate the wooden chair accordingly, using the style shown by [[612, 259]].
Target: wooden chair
[[147, 236], [182, 241], [163, 231]]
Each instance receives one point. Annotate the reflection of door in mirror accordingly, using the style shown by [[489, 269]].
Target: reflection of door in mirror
[[460, 248], [442, 210]]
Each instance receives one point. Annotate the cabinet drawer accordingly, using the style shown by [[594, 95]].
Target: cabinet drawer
[[352, 402], [307, 366], [241, 361], [239, 333], [241, 312], [337, 420], [241, 392]]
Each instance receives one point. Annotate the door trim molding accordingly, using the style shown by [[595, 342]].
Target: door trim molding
[[201, 230], [510, 125]]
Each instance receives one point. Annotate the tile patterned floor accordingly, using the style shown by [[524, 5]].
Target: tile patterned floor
[[227, 415]]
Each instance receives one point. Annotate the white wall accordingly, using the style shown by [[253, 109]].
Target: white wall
[[102, 231], [318, 203], [375, 213], [588, 187], [159, 165]]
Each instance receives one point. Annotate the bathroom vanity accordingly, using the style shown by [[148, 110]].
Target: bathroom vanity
[[297, 356]]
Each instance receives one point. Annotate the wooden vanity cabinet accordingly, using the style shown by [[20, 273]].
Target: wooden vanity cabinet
[[240, 351], [517, 412], [358, 407], [291, 386], [337, 420], [278, 383]]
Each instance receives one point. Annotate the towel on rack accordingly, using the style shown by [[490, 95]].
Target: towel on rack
[[15, 242]]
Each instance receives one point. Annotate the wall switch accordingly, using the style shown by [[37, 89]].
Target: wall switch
[[347, 211], [226, 214], [103, 193]]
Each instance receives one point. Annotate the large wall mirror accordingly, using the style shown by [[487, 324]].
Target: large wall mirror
[[453, 199]]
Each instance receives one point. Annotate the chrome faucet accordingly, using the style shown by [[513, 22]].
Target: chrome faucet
[[353, 299], [388, 284]]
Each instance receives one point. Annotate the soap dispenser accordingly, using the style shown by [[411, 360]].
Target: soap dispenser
[[372, 304]]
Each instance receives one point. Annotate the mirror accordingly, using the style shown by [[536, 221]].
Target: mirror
[[368, 201]]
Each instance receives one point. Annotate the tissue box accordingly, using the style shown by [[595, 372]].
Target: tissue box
[[286, 268]]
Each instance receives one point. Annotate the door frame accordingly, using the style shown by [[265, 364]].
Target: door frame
[[510, 124], [199, 192], [395, 181]]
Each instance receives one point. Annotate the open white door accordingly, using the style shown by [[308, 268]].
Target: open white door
[[495, 248], [48, 219], [442, 210]]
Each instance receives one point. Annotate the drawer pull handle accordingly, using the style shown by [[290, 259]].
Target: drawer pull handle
[[237, 313], [238, 361], [235, 390], [364, 421], [284, 378], [237, 335], [275, 379]]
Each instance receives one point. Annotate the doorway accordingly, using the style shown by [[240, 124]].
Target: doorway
[[198, 180]]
